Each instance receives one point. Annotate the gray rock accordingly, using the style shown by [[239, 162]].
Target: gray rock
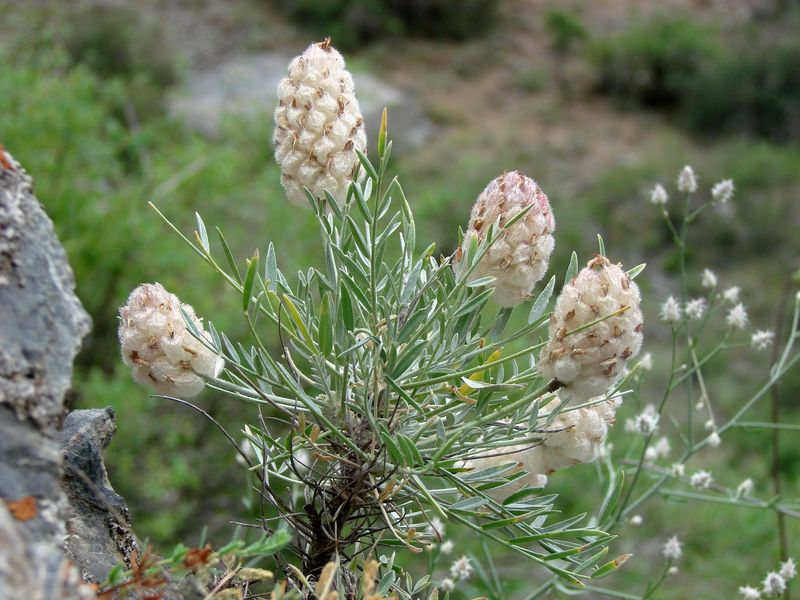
[[42, 319], [43, 324], [98, 525], [247, 85]]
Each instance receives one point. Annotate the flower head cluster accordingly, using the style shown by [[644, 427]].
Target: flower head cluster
[[695, 309], [158, 346], [318, 125], [687, 180], [519, 257], [588, 359], [701, 479], [774, 583], [737, 316], [709, 279], [672, 549], [722, 191], [645, 423], [659, 195], [761, 339], [660, 449], [575, 436], [461, 569], [670, 310]]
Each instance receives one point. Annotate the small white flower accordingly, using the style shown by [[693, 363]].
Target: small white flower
[[677, 469], [695, 308], [672, 570], [461, 569], [687, 180], [788, 569], [722, 191], [637, 520], [744, 488], [660, 449], [646, 422], [672, 549], [709, 279], [773, 584], [646, 362], [714, 440], [659, 195], [447, 585], [708, 425], [761, 339], [447, 547], [670, 310], [731, 294], [749, 593], [737, 317], [701, 479]]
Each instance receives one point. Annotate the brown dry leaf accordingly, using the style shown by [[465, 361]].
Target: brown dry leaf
[[23, 509], [197, 557]]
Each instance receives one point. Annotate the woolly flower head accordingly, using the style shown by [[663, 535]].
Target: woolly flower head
[[773, 584], [318, 125], [590, 362], [737, 317], [447, 585], [670, 310], [695, 309], [749, 593], [722, 191], [519, 257], [672, 549], [659, 195], [575, 436], [709, 279], [701, 479], [761, 339], [158, 346], [687, 180]]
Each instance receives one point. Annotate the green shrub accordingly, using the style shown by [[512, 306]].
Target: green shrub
[[653, 63], [755, 91], [353, 23]]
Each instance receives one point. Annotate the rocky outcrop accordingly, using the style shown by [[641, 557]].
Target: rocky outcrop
[[42, 324]]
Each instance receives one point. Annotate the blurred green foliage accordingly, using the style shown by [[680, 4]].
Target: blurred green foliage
[[717, 83], [351, 24], [653, 62]]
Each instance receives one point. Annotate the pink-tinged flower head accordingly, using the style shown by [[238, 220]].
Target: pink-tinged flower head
[[519, 257], [318, 125], [158, 346], [595, 329]]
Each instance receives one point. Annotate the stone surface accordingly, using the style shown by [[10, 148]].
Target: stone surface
[[43, 323], [42, 319], [247, 84], [97, 521]]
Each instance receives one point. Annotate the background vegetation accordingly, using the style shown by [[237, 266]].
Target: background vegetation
[[596, 109]]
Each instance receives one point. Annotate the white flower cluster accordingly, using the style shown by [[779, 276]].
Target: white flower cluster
[[318, 125], [687, 180], [671, 310], [645, 423], [660, 449], [672, 549], [773, 585], [722, 191], [158, 346], [590, 361], [659, 195], [701, 480], [761, 339], [519, 258], [575, 436]]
